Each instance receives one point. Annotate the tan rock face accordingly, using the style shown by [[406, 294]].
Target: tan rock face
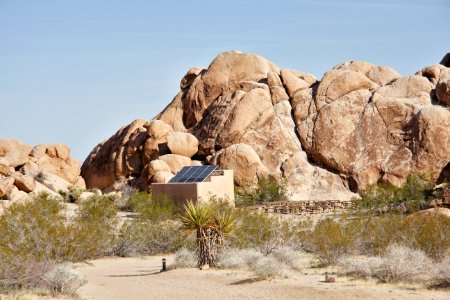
[[13, 153], [359, 125], [6, 184], [245, 161], [175, 162], [182, 143], [20, 164], [23, 182]]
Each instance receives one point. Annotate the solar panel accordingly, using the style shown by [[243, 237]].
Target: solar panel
[[193, 174]]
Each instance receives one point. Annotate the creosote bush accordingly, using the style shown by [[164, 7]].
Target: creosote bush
[[331, 239], [138, 237], [258, 230], [33, 236], [152, 208], [96, 225], [153, 230], [267, 190], [36, 235], [415, 194], [72, 195]]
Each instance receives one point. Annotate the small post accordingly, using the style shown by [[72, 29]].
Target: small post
[[164, 267]]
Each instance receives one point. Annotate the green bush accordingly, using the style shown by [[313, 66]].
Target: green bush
[[138, 237], [267, 190], [427, 232], [33, 236], [374, 234], [260, 231], [414, 195], [331, 240], [152, 208], [36, 235], [96, 226], [72, 195]]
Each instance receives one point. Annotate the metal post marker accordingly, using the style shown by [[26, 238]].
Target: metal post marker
[[164, 267]]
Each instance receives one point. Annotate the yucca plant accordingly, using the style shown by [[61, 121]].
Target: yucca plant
[[211, 223]]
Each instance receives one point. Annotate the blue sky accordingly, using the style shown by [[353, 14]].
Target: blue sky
[[74, 72]]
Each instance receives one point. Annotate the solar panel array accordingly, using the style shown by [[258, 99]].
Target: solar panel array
[[193, 174]]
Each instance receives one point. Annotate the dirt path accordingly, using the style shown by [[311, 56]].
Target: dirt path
[[139, 278]]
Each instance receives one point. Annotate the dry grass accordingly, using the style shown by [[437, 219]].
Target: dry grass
[[64, 280], [398, 264], [185, 258]]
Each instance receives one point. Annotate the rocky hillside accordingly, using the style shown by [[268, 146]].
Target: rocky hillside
[[359, 125], [27, 171]]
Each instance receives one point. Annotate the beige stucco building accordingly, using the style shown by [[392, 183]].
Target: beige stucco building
[[219, 184]]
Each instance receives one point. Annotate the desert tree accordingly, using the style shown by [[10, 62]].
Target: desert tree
[[211, 222]]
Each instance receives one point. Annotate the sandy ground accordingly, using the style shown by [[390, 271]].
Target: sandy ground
[[140, 278]]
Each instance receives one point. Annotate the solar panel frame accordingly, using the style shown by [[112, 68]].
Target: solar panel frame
[[193, 174]]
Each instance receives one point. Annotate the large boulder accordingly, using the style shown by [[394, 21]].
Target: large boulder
[[175, 162], [14, 153], [182, 143], [55, 158], [359, 125], [21, 165], [6, 184], [53, 182], [23, 182], [245, 162]]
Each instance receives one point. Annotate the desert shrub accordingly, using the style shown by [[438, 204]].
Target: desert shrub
[[267, 190], [442, 277], [401, 263], [261, 231], [361, 266], [239, 258], [33, 236], [185, 258], [375, 233], [412, 196], [428, 232], [268, 268], [152, 208], [139, 237], [287, 256], [330, 240], [96, 226], [64, 280], [72, 195], [424, 231]]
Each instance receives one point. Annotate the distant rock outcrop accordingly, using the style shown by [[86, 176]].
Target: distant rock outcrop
[[27, 171], [329, 139]]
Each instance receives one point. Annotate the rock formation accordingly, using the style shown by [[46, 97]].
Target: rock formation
[[27, 171], [329, 139]]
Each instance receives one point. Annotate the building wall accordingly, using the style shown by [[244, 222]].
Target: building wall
[[179, 193], [218, 186]]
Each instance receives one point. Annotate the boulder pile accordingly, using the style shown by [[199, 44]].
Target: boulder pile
[[26, 171], [359, 125]]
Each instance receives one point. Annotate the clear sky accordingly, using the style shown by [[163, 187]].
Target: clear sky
[[74, 72]]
